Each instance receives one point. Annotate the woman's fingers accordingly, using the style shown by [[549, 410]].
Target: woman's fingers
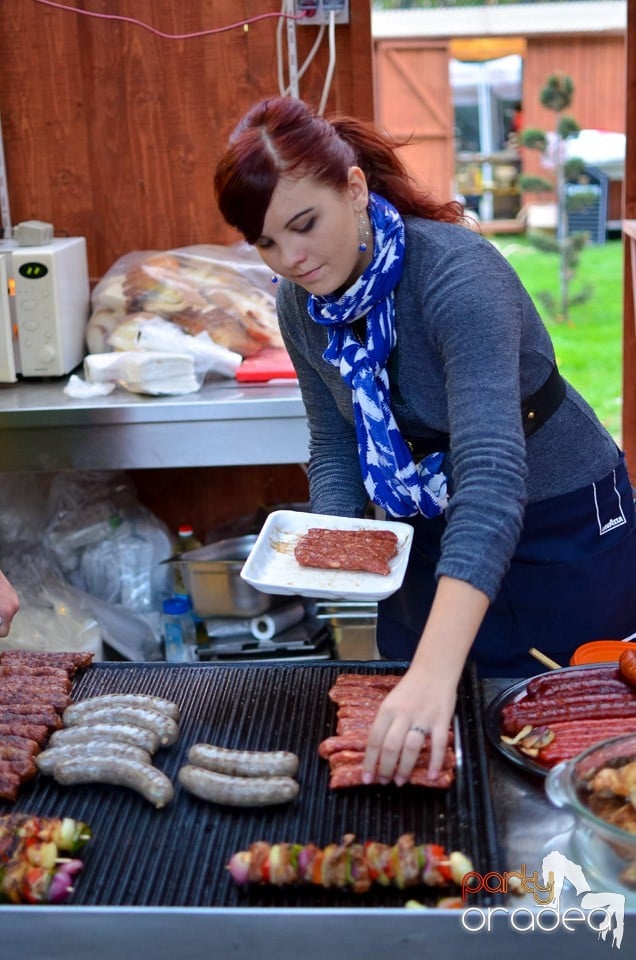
[[394, 745], [375, 744], [392, 749], [411, 749], [439, 743]]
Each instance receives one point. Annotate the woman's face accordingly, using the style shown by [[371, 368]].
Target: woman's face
[[311, 233]]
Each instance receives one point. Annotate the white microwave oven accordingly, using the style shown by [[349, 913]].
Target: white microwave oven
[[44, 307]]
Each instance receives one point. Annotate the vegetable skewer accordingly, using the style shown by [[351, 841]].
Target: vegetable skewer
[[31, 868], [350, 864]]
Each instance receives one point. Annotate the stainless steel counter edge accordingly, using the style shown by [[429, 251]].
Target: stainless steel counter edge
[[223, 424], [57, 933]]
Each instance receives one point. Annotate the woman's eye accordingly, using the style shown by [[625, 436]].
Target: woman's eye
[[307, 226], [263, 243]]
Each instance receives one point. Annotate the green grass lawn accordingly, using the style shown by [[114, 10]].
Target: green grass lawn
[[589, 346]]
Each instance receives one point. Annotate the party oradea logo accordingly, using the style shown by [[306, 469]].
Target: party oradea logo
[[602, 913]]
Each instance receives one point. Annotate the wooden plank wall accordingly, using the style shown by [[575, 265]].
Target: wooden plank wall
[[112, 133], [596, 65]]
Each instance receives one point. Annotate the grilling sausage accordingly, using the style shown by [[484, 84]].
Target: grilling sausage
[[627, 666], [160, 704], [165, 727], [47, 760], [237, 791], [147, 780], [244, 763], [130, 732]]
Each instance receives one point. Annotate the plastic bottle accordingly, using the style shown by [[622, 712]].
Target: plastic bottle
[[186, 541], [179, 632]]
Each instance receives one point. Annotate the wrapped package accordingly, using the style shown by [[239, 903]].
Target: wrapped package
[[224, 292], [144, 371]]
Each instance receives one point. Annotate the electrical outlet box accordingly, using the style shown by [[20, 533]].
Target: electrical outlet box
[[318, 12]]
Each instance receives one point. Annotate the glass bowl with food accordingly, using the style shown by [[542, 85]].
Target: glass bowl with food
[[599, 789]]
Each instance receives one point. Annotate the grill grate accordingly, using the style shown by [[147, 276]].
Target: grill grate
[[176, 856]]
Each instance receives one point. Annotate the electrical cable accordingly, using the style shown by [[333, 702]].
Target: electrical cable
[[332, 63], [279, 57], [292, 56], [285, 90], [285, 15], [168, 36]]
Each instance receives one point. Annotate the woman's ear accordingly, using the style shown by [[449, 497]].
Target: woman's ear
[[358, 188]]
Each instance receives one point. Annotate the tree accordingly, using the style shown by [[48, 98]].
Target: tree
[[557, 95]]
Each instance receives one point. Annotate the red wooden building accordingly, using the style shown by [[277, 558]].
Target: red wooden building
[[415, 51]]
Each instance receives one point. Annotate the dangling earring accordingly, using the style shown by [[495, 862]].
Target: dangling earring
[[275, 278], [364, 233]]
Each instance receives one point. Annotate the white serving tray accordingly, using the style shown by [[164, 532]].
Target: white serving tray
[[272, 568]]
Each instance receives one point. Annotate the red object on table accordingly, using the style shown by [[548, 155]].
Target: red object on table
[[272, 363]]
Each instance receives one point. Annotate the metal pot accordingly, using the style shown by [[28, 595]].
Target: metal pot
[[212, 578]]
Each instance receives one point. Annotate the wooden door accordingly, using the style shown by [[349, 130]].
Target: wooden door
[[414, 103]]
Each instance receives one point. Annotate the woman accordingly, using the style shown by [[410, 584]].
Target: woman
[[9, 605], [431, 389]]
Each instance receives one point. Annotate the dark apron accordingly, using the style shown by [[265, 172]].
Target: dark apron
[[572, 579]]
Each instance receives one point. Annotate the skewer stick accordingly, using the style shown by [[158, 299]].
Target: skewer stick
[[541, 657]]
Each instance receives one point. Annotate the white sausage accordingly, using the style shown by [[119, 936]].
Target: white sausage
[[47, 760], [237, 791], [140, 736], [81, 707], [165, 727], [147, 780], [244, 763]]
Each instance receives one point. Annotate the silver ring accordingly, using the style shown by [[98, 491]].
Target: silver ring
[[419, 730], [1, 621]]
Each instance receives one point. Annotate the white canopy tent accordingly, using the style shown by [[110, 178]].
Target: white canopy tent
[[501, 77]]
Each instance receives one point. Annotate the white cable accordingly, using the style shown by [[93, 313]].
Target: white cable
[[291, 54], [332, 62], [312, 53], [286, 90], [279, 51]]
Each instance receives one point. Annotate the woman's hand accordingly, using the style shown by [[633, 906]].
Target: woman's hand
[[423, 702], [419, 704], [9, 605]]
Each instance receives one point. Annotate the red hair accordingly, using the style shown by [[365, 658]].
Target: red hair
[[282, 136]]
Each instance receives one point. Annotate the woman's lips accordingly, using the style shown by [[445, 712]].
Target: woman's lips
[[309, 275]]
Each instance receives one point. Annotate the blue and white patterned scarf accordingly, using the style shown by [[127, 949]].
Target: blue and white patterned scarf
[[391, 478]]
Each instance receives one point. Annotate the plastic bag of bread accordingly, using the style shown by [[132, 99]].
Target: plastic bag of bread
[[223, 291]]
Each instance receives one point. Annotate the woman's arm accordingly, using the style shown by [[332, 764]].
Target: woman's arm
[[9, 605], [425, 697]]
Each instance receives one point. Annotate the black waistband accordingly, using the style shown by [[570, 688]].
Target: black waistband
[[535, 411], [540, 406]]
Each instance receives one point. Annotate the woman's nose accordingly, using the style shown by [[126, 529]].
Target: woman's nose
[[292, 255]]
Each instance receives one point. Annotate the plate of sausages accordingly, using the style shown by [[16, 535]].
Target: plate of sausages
[[539, 722]]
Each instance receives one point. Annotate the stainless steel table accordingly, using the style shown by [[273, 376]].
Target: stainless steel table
[[223, 424]]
